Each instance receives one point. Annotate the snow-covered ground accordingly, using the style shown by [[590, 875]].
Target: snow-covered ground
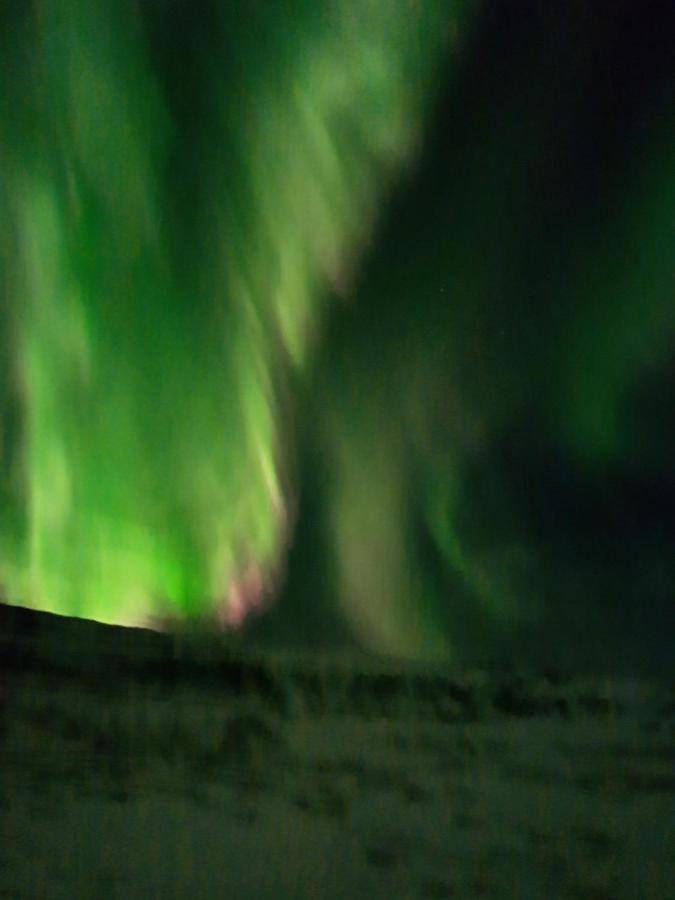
[[270, 776]]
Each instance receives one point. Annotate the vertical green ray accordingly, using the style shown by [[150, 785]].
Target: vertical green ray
[[169, 240]]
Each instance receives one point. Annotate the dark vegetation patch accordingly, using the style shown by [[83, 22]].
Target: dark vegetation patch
[[438, 890]]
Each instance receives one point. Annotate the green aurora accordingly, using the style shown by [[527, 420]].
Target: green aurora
[[168, 238], [190, 201]]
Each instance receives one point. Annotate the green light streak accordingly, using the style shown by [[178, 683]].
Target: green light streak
[[149, 346], [625, 321]]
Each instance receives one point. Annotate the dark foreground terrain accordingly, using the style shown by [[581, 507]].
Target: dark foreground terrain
[[134, 767]]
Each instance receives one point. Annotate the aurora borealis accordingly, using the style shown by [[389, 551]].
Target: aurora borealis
[[181, 192], [423, 252]]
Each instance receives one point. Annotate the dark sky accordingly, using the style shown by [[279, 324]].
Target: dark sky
[[514, 320]]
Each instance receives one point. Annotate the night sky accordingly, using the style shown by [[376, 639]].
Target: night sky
[[346, 320]]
